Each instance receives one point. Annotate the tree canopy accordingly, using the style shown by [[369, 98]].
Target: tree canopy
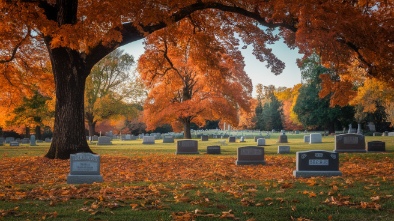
[[76, 34]]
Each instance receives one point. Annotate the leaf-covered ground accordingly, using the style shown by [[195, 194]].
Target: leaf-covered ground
[[168, 175]]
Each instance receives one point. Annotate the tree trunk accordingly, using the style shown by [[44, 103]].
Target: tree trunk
[[38, 132], [91, 123], [186, 129], [70, 74]]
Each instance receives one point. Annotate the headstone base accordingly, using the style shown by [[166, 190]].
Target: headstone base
[[350, 151], [248, 162], [84, 179], [307, 174], [180, 152]]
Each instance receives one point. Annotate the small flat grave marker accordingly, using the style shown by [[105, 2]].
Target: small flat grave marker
[[84, 168], [187, 147], [317, 163], [250, 155], [104, 140], [213, 150], [376, 146], [14, 143], [283, 149], [350, 143], [148, 140]]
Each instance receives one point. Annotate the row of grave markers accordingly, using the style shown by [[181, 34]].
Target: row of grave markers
[[85, 167]]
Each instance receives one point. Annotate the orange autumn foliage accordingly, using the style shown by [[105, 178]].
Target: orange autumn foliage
[[192, 77]]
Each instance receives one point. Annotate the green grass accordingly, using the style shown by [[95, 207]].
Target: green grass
[[360, 195]]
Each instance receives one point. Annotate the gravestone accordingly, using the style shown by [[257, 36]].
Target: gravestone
[[261, 142], [350, 143], [317, 163], [213, 150], [33, 140], [283, 149], [257, 137], [127, 137], [14, 143], [9, 139], [168, 139], [315, 138], [204, 137], [231, 139], [95, 138], [25, 140], [375, 134], [242, 139], [376, 146], [148, 140], [18, 140], [390, 134], [250, 155], [84, 168], [104, 140], [386, 133], [2, 140], [307, 138], [187, 147], [282, 138]]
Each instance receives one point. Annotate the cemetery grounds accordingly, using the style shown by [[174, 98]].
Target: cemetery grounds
[[150, 182]]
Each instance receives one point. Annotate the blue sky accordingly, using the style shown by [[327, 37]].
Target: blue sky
[[254, 68]]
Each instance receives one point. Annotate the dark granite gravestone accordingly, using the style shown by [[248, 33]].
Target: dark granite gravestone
[[204, 137], [168, 139], [231, 139], [377, 146], [307, 138], [283, 149], [213, 150], [282, 138], [317, 163], [187, 147], [250, 155], [104, 140], [84, 168], [350, 143], [2, 141]]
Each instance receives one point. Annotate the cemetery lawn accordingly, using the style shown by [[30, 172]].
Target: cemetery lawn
[[150, 182]]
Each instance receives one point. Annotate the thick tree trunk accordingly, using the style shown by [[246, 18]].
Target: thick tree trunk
[[69, 130], [38, 132], [186, 129]]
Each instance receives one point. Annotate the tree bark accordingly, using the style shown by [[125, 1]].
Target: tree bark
[[91, 123], [70, 74], [186, 129]]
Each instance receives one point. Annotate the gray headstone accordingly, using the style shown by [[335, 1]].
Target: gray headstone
[[377, 146], [250, 155], [9, 139], [257, 137], [231, 139], [282, 138], [375, 134], [95, 138], [14, 143], [390, 134], [25, 140], [317, 163], [213, 150], [104, 140], [187, 147], [84, 168], [261, 142], [168, 139], [148, 140], [242, 139], [283, 149], [315, 138], [350, 143], [33, 140], [204, 137], [2, 140], [307, 138]]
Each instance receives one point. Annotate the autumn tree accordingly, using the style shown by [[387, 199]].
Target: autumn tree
[[288, 98], [75, 34], [193, 77], [109, 87]]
